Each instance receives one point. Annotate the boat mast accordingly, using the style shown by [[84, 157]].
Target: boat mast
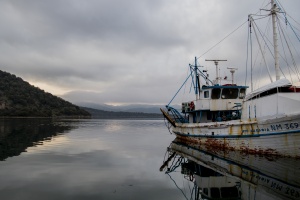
[[274, 11], [197, 81]]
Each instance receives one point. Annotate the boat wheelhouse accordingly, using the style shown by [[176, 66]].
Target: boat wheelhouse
[[216, 103]]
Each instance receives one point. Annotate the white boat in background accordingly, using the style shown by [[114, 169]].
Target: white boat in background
[[265, 121]]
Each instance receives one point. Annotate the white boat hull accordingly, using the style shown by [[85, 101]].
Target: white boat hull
[[275, 137]]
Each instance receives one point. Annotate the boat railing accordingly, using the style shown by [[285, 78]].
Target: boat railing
[[175, 114]]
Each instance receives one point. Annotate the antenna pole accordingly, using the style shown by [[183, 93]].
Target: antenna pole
[[217, 81]]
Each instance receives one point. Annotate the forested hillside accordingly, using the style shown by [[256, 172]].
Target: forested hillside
[[19, 98]]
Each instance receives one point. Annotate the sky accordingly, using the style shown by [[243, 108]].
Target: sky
[[124, 51]]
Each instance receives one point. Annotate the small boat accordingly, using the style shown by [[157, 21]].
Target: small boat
[[227, 116]]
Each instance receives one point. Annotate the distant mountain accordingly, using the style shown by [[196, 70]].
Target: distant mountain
[[101, 114], [19, 98], [140, 108], [96, 106]]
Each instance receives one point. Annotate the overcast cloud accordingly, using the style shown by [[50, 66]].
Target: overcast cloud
[[121, 51]]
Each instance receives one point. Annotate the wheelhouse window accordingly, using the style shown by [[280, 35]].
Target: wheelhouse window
[[206, 94], [215, 93], [230, 93], [242, 93]]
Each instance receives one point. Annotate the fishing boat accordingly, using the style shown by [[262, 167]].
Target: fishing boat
[[227, 116]]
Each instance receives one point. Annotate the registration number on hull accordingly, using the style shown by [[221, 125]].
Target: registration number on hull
[[274, 127]]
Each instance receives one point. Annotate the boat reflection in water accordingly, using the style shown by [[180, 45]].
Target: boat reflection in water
[[234, 175]]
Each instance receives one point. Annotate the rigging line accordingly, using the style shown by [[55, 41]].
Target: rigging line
[[273, 46], [171, 165], [285, 13], [294, 31], [247, 55], [265, 16], [282, 49], [288, 21], [258, 80], [285, 20], [293, 45], [295, 50], [179, 89], [263, 37], [257, 83], [266, 6], [177, 186], [178, 162], [204, 76], [288, 46], [294, 62], [194, 189], [262, 54], [187, 71], [223, 39], [191, 87], [289, 70], [193, 83], [293, 19], [280, 6]]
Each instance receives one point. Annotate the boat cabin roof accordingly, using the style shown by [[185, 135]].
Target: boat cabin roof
[[280, 83], [223, 86]]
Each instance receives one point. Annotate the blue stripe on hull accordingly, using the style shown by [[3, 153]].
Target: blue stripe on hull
[[239, 136]]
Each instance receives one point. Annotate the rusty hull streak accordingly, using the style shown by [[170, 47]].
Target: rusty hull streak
[[251, 147], [217, 146]]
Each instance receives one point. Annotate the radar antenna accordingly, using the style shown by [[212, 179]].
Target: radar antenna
[[232, 70], [218, 78]]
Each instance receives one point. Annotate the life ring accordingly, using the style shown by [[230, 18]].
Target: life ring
[[192, 105]]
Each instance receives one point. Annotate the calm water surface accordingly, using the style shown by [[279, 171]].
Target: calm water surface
[[85, 159], [121, 159]]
